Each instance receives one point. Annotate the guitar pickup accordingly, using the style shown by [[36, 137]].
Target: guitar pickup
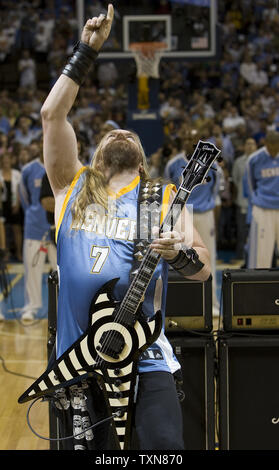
[[111, 343]]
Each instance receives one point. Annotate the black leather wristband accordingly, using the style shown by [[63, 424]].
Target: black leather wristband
[[80, 63], [187, 262]]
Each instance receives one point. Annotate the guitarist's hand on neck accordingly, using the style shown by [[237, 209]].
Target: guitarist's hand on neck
[[168, 244]]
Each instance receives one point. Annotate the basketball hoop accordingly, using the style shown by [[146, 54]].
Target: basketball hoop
[[147, 56]]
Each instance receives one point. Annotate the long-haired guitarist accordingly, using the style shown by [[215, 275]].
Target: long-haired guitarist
[[95, 245]]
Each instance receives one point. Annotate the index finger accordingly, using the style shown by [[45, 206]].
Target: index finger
[[110, 13]]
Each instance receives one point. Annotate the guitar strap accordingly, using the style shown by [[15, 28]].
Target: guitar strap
[[148, 216]]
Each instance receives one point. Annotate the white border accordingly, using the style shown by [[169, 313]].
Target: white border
[[166, 54]]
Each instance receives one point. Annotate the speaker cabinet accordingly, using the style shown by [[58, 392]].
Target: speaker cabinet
[[250, 299], [196, 356], [188, 304], [249, 393]]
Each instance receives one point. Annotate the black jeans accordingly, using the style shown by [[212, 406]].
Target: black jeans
[[158, 416]]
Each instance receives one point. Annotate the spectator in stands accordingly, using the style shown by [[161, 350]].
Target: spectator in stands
[[3, 143], [10, 178], [27, 70], [36, 242], [227, 224], [5, 125], [238, 171], [260, 135], [227, 147], [107, 75], [232, 120], [5, 45], [23, 158], [23, 131], [154, 164], [248, 67], [262, 174]]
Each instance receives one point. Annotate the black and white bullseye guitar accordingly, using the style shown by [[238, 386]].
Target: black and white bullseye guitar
[[119, 333]]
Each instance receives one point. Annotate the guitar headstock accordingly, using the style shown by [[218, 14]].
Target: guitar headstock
[[196, 170]]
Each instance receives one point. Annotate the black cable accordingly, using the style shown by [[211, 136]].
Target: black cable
[[67, 437], [14, 373]]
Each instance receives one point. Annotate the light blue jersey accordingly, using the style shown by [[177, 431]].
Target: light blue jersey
[[262, 174], [36, 225], [100, 250], [203, 197]]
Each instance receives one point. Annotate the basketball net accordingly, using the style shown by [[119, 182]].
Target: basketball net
[[147, 56]]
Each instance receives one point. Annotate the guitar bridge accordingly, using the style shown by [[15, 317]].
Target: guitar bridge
[[111, 343]]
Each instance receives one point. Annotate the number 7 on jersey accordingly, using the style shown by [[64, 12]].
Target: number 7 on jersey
[[100, 253]]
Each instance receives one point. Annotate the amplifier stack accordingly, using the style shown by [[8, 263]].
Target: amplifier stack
[[248, 355]]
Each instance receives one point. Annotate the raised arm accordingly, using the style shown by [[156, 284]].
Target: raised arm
[[60, 144]]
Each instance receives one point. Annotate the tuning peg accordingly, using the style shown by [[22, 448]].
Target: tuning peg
[[207, 179]]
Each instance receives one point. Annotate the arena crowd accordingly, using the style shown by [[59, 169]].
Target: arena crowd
[[232, 101]]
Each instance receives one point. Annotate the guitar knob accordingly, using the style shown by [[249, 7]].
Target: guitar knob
[[117, 371], [117, 382], [118, 394], [119, 413]]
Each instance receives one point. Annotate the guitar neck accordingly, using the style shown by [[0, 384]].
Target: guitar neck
[[141, 280]]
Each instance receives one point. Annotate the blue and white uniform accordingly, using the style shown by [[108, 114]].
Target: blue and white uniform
[[202, 201], [100, 250], [262, 176], [36, 225], [36, 230]]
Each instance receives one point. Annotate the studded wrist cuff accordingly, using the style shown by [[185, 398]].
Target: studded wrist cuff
[[80, 63], [187, 262]]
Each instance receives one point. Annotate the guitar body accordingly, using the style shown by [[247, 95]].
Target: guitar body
[[88, 356]]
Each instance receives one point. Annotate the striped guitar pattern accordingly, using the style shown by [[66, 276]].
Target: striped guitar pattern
[[118, 333]]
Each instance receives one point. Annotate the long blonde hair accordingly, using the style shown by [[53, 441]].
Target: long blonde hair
[[94, 189]]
